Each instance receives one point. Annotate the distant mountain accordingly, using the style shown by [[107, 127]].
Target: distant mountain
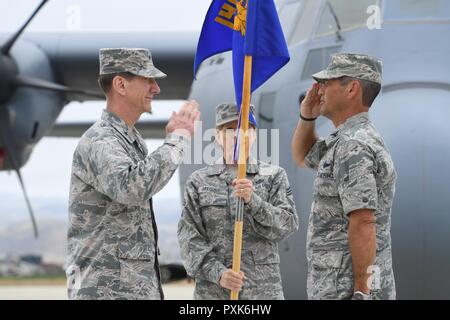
[[16, 234], [14, 209], [18, 239]]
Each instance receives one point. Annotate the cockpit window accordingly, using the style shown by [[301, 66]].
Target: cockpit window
[[416, 10], [344, 15], [288, 13]]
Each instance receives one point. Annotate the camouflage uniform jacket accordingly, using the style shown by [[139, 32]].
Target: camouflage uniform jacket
[[354, 171], [206, 230], [112, 237]]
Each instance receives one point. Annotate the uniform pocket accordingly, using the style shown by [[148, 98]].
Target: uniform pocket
[[325, 266], [137, 271], [325, 182], [115, 209], [213, 210], [265, 257], [263, 265], [135, 251], [327, 259], [261, 188], [212, 199]]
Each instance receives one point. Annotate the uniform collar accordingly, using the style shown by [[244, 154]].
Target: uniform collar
[[117, 123], [361, 117], [219, 167]]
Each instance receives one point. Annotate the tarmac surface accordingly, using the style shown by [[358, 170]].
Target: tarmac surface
[[182, 290]]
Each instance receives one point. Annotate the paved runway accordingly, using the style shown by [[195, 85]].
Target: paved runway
[[174, 291]]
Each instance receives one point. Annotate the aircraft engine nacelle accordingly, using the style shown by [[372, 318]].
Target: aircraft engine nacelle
[[29, 113]]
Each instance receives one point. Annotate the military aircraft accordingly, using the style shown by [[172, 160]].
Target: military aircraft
[[410, 36], [40, 73]]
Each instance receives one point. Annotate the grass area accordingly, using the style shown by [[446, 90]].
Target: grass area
[[33, 281]]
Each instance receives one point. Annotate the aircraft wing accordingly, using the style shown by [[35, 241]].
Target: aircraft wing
[[74, 61], [74, 57]]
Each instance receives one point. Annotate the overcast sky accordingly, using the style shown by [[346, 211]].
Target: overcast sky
[[47, 173], [105, 15]]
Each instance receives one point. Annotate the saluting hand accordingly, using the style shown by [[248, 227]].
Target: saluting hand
[[183, 121], [310, 107], [243, 188]]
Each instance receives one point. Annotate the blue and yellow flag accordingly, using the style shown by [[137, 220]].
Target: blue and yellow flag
[[247, 27]]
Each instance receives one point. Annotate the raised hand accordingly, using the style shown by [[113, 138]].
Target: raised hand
[[310, 107], [183, 121]]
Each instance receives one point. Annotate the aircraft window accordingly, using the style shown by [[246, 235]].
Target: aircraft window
[[305, 23], [288, 15], [416, 9], [350, 15], [317, 60]]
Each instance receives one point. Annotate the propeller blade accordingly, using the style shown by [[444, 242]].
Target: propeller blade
[[27, 200], [6, 138], [23, 81], [10, 42]]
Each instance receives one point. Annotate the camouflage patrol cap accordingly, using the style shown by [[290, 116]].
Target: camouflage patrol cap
[[227, 112], [137, 61], [359, 66]]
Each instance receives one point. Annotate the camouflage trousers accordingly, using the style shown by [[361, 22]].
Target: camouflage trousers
[[330, 276]]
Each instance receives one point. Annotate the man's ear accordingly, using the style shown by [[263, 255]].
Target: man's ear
[[353, 89], [119, 85]]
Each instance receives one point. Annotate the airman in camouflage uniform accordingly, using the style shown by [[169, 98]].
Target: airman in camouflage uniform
[[206, 228], [354, 172], [112, 237]]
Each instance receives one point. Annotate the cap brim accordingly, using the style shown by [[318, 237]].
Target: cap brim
[[158, 74], [236, 118], [154, 73], [323, 75], [233, 119]]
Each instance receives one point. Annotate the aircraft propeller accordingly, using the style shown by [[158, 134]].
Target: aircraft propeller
[[10, 80]]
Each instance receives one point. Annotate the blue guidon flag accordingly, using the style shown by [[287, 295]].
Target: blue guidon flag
[[247, 27]]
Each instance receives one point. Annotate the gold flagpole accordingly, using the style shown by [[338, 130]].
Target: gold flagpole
[[242, 166]]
